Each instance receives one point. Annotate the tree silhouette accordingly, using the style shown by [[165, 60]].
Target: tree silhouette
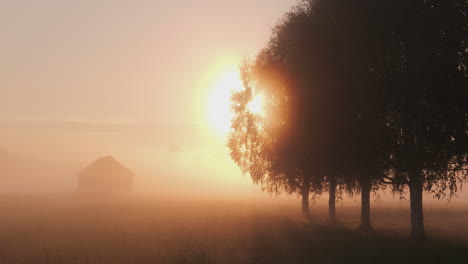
[[428, 112], [360, 94], [261, 145], [310, 69]]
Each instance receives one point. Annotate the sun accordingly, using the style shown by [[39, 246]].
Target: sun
[[220, 112], [256, 105]]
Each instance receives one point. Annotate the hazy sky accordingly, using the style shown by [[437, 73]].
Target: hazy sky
[[80, 79], [108, 60]]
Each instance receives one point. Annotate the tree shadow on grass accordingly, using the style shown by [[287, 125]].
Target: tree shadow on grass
[[296, 242]]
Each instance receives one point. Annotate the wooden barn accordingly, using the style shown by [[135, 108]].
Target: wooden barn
[[105, 177]]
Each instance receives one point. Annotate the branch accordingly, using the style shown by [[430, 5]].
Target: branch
[[389, 180]]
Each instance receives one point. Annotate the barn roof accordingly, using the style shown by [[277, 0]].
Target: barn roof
[[105, 166]]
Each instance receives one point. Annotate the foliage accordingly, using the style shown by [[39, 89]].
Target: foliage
[[367, 92], [427, 106]]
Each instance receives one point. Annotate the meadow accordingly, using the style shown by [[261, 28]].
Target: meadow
[[56, 229]]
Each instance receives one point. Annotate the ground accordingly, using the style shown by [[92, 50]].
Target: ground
[[64, 230]]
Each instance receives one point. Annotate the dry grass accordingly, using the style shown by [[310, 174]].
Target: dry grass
[[57, 230]]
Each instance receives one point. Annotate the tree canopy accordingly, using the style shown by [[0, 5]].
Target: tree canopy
[[359, 93]]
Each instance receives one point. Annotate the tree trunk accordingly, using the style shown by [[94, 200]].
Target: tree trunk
[[416, 205], [365, 204], [305, 199], [331, 201]]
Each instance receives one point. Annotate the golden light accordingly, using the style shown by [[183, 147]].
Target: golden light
[[220, 110], [256, 105]]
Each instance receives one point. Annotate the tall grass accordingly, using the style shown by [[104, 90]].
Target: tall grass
[[194, 255], [218, 233]]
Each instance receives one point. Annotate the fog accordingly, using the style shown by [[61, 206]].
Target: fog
[[167, 159], [128, 79], [186, 161]]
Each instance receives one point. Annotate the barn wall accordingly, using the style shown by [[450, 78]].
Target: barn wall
[[105, 184]]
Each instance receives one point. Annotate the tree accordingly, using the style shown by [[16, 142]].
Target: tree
[[279, 141], [350, 42], [254, 140], [428, 112], [315, 70], [367, 92]]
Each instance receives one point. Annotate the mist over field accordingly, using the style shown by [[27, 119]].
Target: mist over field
[[189, 204], [169, 160], [161, 155], [233, 131]]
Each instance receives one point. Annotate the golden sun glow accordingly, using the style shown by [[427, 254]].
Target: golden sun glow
[[220, 111], [220, 102], [256, 105]]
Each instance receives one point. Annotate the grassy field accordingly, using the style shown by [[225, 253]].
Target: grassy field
[[58, 230]]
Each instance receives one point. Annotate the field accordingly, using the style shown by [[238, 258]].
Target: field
[[63, 230]]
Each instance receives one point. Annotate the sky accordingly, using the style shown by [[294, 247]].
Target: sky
[[129, 79], [116, 60]]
